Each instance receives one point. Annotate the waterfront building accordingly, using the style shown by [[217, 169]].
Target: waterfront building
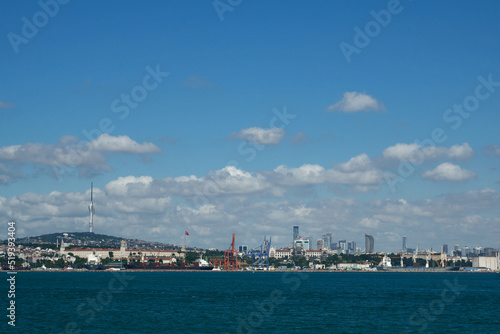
[[282, 253], [121, 253]]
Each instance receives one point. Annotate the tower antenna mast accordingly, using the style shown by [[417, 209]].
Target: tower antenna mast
[[91, 208]]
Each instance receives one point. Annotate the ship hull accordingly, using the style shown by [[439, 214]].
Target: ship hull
[[419, 270], [173, 268]]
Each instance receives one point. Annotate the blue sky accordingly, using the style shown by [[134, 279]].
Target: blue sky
[[185, 105]]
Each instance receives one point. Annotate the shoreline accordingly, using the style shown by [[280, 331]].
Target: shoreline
[[255, 271]]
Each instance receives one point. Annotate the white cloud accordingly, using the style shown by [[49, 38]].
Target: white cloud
[[400, 151], [354, 101], [355, 172], [358, 163], [304, 175], [460, 152], [260, 136], [69, 155], [413, 152], [369, 223], [449, 172], [122, 144], [226, 181]]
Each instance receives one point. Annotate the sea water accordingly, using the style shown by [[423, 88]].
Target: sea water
[[260, 302]]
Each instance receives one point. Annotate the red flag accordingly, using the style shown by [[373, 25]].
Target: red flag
[[186, 232]]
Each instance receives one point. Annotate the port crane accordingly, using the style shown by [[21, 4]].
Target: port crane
[[231, 258], [260, 255]]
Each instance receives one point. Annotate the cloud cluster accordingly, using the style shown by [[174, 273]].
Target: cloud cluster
[[260, 136], [449, 172], [354, 102], [141, 207], [87, 158]]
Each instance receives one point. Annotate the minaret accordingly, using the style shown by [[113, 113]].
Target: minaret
[[91, 207]]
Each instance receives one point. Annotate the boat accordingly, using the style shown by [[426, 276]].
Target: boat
[[159, 266], [94, 262], [386, 265]]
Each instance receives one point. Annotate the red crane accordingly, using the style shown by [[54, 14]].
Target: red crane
[[231, 258]]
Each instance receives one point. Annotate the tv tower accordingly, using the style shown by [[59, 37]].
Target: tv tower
[[91, 207]]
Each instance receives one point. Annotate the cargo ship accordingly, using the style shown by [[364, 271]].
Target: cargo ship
[[386, 265], [199, 264]]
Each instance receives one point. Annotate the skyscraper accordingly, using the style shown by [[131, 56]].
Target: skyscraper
[[445, 249], [351, 246], [369, 243], [405, 248], [295, 233]]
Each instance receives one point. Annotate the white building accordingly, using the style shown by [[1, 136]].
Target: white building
[[123, 252], [313, 253], [281, 253], [489, 262]]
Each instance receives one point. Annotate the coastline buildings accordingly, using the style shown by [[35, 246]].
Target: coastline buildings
[[123, 252], [369, 243]]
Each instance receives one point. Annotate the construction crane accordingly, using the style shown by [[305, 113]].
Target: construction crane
[[231, 258], [260, 255]]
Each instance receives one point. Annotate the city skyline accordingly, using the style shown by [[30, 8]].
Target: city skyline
[[339, 117]]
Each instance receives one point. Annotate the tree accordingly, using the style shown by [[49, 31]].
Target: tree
[[110, 255], [191, 257]]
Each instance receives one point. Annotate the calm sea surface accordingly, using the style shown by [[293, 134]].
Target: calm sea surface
[[245, 302]]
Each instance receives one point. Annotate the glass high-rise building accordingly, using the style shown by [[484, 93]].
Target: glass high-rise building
[[369, 243], [351, 246], [405, 247], [295, 233]]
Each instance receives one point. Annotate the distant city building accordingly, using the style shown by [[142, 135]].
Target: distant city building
[[328, 239], [488, 251], [369, 243], [466, 251], [342, 245], [334, 246], [295, 233], [405, 247], [243, 248], [301, 244], [320, 244], [445, 249], [351, 246]]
